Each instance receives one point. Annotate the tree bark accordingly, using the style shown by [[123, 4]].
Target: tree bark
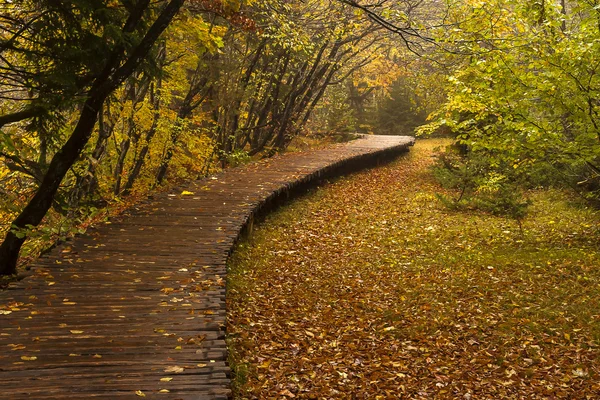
[[27, 113], [115, 71], [37, 207]]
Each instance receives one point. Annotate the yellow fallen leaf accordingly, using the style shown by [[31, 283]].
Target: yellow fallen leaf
[[5, 312], [187, 193], [163, 391], [140, 393], [74, 355], [25, 358], [169, 379], [201, 365], [97, 356], [174, 369], [75, 332]]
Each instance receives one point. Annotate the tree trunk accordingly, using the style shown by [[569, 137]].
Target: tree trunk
[[115, 71], [37, 207], [139, 161], [124, 149]]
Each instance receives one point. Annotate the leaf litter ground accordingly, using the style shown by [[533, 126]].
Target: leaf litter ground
[[370, 288]]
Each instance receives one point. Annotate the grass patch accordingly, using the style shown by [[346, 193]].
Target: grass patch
[[370, 287]]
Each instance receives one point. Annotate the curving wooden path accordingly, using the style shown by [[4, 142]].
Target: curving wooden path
[[136, 307]]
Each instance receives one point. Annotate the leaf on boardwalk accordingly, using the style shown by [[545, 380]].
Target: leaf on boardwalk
[[174, 369]]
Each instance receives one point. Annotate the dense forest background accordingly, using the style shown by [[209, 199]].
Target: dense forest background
[[104, 101]]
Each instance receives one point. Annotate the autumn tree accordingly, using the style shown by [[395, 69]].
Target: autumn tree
[[271, 78], [50, 66]]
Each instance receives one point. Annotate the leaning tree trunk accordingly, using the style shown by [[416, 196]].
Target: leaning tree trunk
[[36, 209], [117, 68]]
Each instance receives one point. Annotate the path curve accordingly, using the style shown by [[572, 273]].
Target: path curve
[[136, 307]]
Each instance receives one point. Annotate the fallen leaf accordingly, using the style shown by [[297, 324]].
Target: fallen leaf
[[174, 369], [287, 393]]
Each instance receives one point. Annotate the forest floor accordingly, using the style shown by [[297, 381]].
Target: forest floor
[[370, 288]]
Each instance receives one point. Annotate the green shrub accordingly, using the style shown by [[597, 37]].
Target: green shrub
[[481, 182]]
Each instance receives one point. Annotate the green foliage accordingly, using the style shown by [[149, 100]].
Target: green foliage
[[401, 112], [480, 183], [528, 94], [340, 115], [237, 158]]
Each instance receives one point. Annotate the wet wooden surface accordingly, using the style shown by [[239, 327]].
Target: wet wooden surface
[[136, 307]]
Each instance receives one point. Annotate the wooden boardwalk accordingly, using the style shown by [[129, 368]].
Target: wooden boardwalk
[[136, 307]]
